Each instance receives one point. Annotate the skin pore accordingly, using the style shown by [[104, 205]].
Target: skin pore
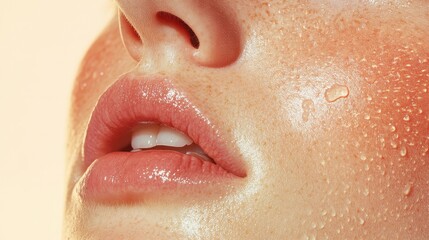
[[326, 102]]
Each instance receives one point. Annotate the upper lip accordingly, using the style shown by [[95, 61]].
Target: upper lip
[[133, 99]]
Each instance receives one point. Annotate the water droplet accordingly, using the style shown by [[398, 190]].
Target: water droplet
[[361, 221], [336, 92], [403, 151], [83, 86], [407, 190], [308, 108], [366, 167], [394, 144], [309, 237], [366, 192], [382, 141], [366, 116], [425, 151], [407, 117], [314, 225]]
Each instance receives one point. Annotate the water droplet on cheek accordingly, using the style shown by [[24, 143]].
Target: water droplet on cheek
[[307, 109], [406, 118], [425, 151], [336, 92], [394, 144], [407, 190], [366, 116], [361, 221], [403, 151]]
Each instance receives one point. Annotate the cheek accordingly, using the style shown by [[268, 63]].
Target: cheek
[[390, 135], [366, 100], [104, 62], [359, 135], [381, 134], [395, 113], [397, 101], [394, 122]]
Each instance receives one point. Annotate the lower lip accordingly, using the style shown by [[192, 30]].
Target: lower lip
[[125, 177]]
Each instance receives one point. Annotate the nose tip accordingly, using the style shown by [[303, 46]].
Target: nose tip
[[204, 33]]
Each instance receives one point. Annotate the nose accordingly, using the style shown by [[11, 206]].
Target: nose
[[205, 33]]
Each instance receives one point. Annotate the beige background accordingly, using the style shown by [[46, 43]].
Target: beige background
[[41, 43]]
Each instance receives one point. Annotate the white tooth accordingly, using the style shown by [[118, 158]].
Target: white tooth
[[170, 137], [145, 136]]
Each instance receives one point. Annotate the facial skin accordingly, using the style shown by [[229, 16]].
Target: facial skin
[[327, 103]]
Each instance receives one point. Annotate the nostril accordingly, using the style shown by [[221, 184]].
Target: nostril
[[203, 33], [127, 28], [130, 37], [178, 24]]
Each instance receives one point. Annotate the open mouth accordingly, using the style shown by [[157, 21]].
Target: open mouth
[[155, 136], [145, 138]]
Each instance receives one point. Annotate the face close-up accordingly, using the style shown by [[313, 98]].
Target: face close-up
[[252, 120]]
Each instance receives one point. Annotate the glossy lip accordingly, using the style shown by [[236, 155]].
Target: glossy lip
[[133, 99]]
